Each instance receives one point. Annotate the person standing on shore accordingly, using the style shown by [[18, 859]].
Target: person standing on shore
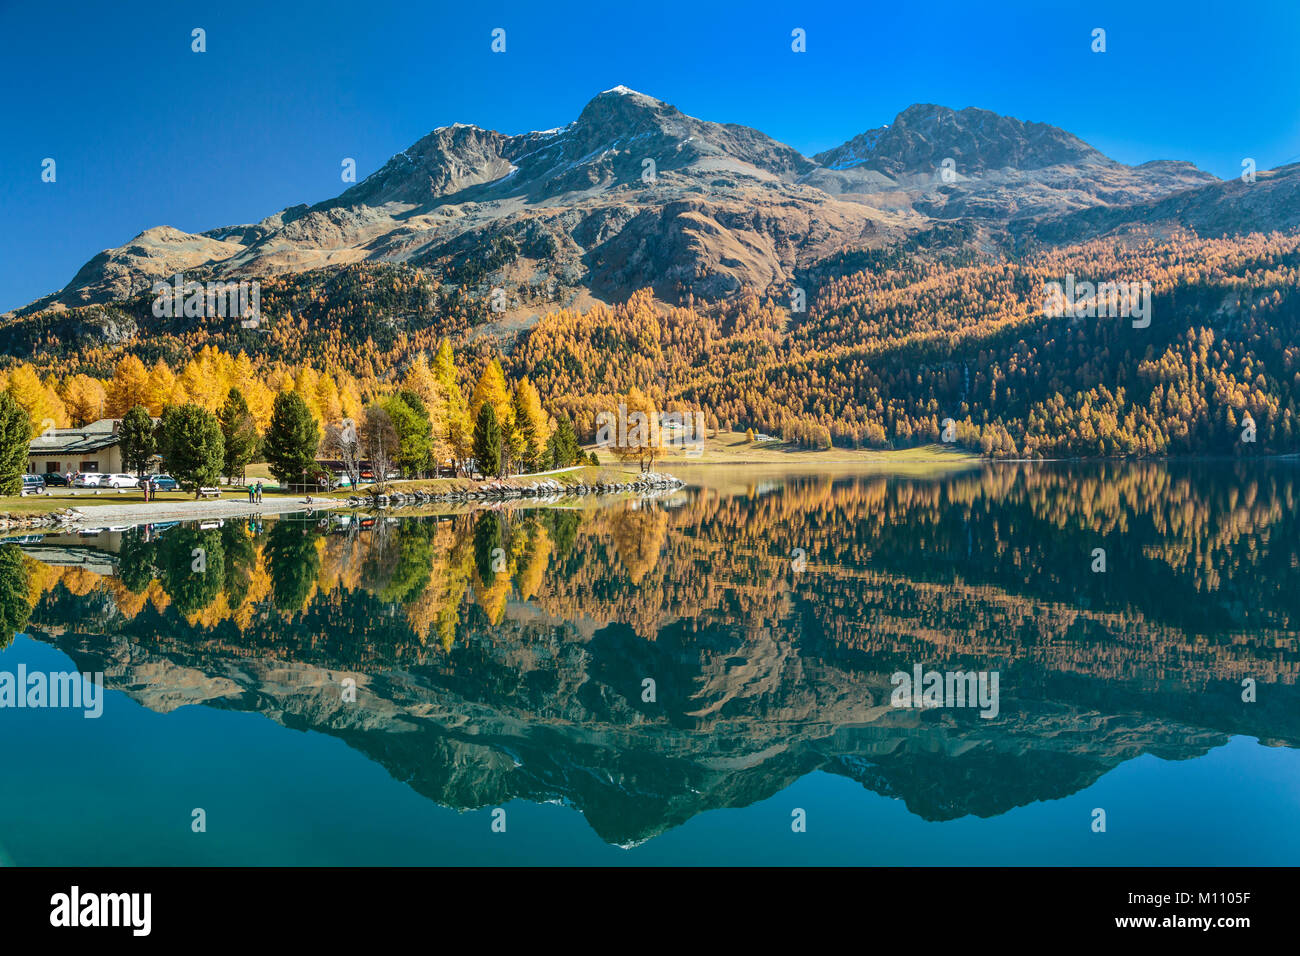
[[250, 492], [259, 491]]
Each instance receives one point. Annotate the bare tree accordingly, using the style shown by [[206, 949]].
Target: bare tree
[[379, 444], [341, 441]]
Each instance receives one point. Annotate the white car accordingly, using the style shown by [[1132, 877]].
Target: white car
[[89, 479], [120, 481]]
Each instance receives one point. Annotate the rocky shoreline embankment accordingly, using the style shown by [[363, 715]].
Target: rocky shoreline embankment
[[50, 521], [546, 489]]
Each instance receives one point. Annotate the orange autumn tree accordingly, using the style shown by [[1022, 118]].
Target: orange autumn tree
[[37, 398], [85, 399], [129, 387], [633, 433]]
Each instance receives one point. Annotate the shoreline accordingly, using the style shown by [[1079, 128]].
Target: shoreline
[[132, 515], [198, 510], [518, 488], [480, 495], [902, 457]]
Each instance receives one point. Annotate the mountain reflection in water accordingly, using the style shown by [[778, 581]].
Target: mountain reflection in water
[[504, 654]]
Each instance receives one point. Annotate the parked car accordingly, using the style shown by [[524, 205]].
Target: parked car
[[88, 479], [33, 485], [164, 482], [56, 480], [120, 481]]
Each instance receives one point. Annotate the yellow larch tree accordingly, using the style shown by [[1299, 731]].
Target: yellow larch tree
[[39, 400], [162, 389], [85, 399], [129, 386]]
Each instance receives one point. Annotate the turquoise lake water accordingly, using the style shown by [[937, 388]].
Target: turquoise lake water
[[500, 662]]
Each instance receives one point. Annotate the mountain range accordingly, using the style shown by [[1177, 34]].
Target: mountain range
[[634, 193]]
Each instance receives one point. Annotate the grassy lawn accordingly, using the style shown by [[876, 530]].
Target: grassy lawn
[[585, 474], [721, 448], [731, 448]]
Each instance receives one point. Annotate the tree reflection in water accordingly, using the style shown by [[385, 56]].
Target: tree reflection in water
[[517, 641]]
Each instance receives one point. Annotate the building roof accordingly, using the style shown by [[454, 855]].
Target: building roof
[[72, 441]]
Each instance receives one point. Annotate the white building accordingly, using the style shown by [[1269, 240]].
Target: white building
[[93, 448]]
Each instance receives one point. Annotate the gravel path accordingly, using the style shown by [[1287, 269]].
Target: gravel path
[[145, 512]]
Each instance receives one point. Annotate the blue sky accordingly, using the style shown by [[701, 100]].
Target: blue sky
[[146, 132]]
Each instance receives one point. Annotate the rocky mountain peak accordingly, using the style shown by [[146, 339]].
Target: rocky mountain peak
[[636, 193], [618, 116], [925, 134], [439, 164]]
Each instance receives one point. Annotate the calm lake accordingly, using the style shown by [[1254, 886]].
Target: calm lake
[[706, 677]]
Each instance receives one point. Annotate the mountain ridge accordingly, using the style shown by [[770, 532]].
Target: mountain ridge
[[634, 192]]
